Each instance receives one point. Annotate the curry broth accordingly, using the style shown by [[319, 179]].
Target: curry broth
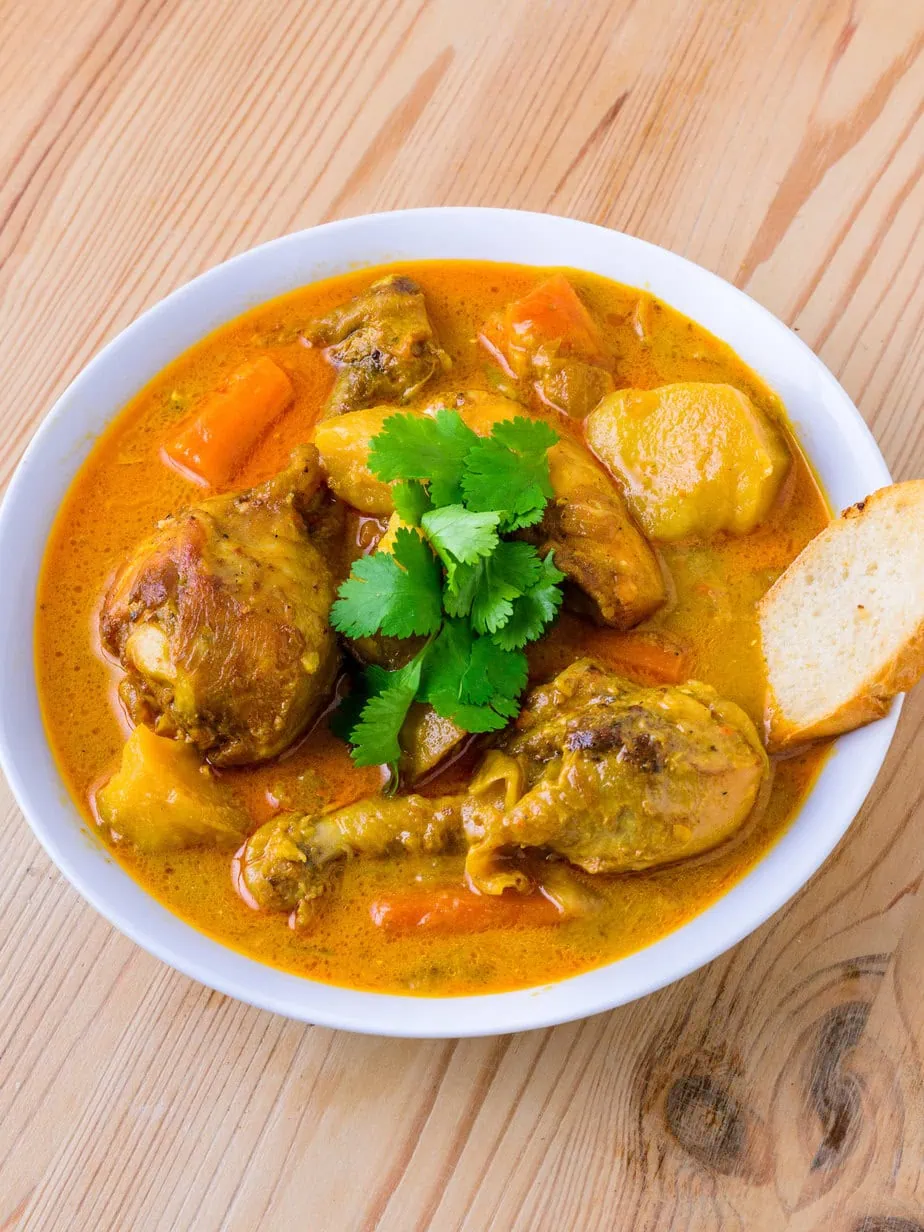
[[124, 488]]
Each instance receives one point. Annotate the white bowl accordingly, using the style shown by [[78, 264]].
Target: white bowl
[[829, 427]]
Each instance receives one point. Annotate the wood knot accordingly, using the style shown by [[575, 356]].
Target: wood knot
[[887, 1223], [708, 1122], [834, 1091]]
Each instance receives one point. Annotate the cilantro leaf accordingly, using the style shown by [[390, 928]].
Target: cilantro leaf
[[457, 534], [534, 610], [492, 604], [411, 501], [450, 576], [509, 472], [446, 661], [424, 447], [394, 593], [494, 677], [519, 521], [459, 591], [375, 736], [525, 436], [506, 575], [517, 563], [475, 719], [446, 664]]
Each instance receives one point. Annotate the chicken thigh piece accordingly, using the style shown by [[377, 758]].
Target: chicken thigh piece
[[220, 619], [608, 775], [382, 344], [613, 572], [614, 776]]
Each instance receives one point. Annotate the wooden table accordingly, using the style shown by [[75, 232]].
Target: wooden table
[[778, 143]]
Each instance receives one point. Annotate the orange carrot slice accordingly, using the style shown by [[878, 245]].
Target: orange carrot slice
[[643, 655], [459, 911], [214, 442], [554, 312]]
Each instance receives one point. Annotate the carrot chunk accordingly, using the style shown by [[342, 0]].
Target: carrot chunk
[[554, 312], [646, 656], [213, 443], [459, 911]]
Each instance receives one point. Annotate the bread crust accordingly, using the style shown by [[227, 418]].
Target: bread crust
[[867, 705], [873, 698]]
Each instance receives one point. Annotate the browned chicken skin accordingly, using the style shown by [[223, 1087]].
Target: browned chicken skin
[[382, 343], [220, 619], [608, 775], [615, 776], [613, 573]]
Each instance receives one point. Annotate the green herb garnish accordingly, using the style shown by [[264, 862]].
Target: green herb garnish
[[397, 593], [451, 577]]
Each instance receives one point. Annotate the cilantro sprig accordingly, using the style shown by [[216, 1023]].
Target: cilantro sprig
[[451, 576], [391, 592]]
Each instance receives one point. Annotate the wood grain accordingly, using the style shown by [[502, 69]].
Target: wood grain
[[780, 144]]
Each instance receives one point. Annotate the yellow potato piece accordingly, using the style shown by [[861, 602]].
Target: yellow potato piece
[[693, 458], [343, 443], [162, 798]]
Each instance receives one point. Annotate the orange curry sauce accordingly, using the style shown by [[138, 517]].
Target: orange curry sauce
[[124, 488]]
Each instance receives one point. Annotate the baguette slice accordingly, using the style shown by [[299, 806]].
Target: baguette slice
[[842, 629]]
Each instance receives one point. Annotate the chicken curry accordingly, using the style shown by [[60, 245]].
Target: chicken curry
[[402, 633]]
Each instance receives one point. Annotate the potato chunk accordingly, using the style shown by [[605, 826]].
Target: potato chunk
[[162, 797], [343, 443], [694, 458]]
